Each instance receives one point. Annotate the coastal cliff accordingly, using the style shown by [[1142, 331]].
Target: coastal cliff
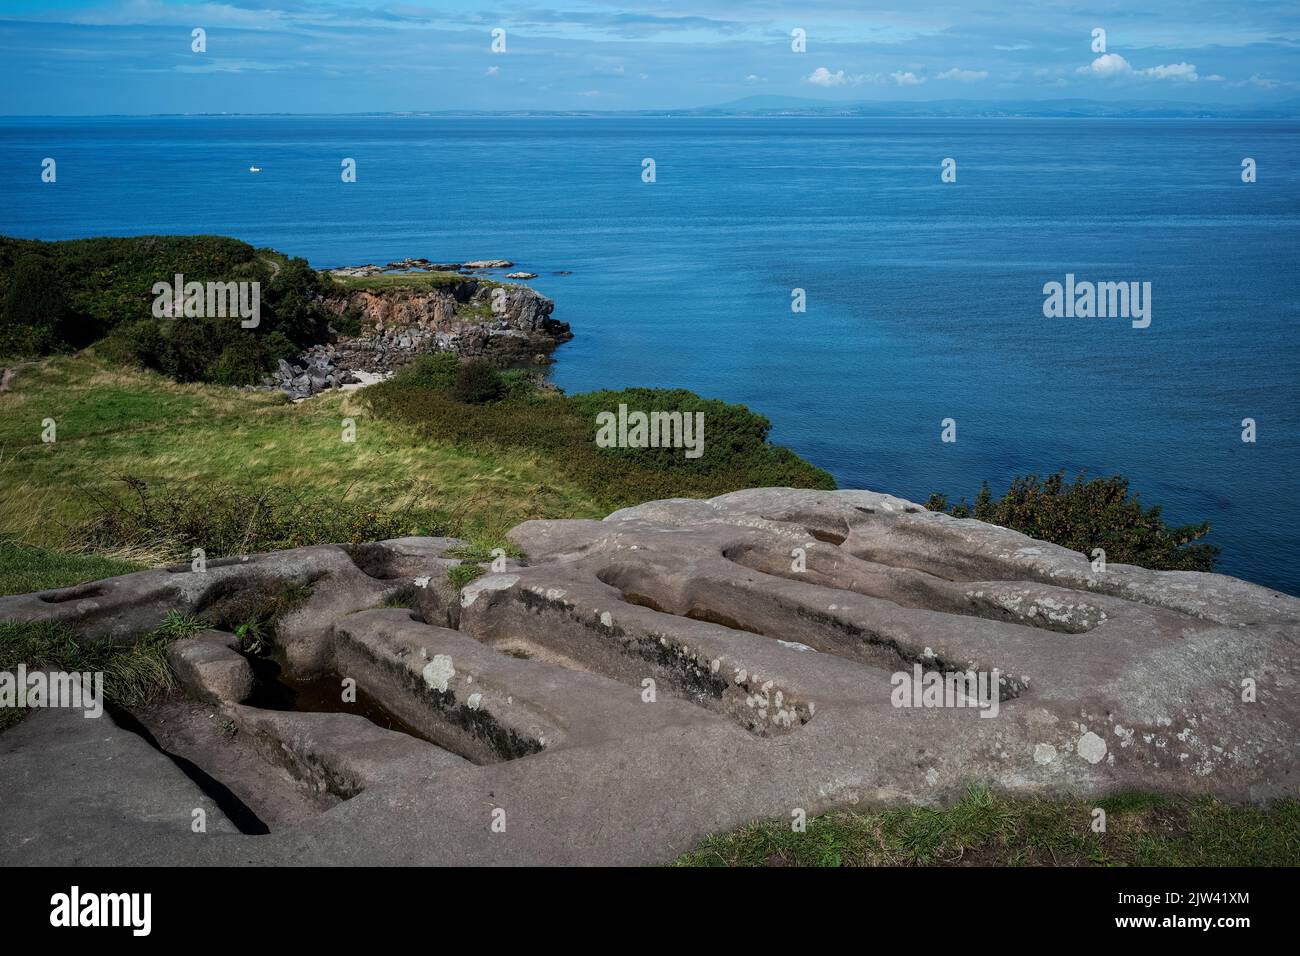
[[384, 320]]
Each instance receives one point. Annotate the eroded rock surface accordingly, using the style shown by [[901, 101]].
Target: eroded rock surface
[[683, 667]]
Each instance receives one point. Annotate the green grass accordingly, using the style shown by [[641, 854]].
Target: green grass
[[409, 280], [562, 430], [203, 452], [134, 673], [995, 830], [113, 422], [461, 574], [25, 568], [479, 549]]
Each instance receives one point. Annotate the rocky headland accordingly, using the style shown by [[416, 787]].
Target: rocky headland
[[395, 312]]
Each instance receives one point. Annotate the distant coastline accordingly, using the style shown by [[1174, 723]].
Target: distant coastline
[[795, 106]]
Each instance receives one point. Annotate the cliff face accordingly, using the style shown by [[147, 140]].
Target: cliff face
[[392, 321], [468, 316]]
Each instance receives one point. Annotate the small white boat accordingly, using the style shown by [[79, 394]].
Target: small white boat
[[254, 169]]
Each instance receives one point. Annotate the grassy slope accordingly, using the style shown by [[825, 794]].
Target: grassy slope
[[409, 280], [114, 421], [988, 829]]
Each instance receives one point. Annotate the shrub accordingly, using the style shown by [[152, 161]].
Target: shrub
[[243, 361], [477, 383], [1086, 514], [34, 314], [61, 295], [139, 343], [436, 372], [563, 428], [349, 322]]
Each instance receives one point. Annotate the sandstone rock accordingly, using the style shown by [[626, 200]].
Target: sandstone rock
[[521, 275], [488, 264], [210, 668], [683, 667]]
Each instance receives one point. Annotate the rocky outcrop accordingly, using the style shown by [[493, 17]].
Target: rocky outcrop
[[468, 316], [318, 372], [683, 667], [422, 265], [465, 315]]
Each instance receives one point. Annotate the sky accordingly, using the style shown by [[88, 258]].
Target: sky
[[87, 57]]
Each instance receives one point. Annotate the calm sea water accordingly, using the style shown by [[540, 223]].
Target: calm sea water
[[924, 299]]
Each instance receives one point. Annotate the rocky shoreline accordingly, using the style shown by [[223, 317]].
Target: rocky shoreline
[[445, 308]]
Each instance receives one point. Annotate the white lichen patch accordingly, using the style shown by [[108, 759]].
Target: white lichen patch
[[492, 582], [1044, 753], [439, 672], [1091, 747]]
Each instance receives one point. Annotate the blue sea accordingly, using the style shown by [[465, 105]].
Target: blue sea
[[924, 298]]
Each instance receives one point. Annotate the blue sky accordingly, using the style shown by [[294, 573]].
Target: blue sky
[[134, 56]]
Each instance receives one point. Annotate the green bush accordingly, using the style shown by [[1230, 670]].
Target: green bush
[[477, 382], [1087, 514], [35, 317], [243, 361], [56, 296], [436, 372], [349, 323], [562, 429], [138, 343]]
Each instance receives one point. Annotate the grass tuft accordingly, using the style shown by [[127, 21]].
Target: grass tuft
[[134, 674], [463, 573], [996, 830]]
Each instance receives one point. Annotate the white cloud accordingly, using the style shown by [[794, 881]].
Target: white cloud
[[907, 79], [1112, 65], [964, 76], [493, 70], [755, 78], [824, 77], [1108, 64], [1263, 81], [1173, 71]]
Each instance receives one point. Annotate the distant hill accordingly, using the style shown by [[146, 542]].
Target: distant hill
[[809, 106]]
